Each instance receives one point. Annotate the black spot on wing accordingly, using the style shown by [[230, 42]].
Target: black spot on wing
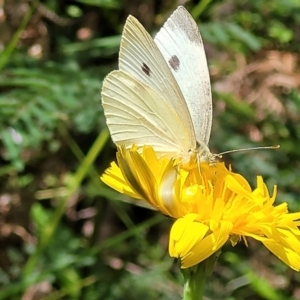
[[174, 62], [146, 69]]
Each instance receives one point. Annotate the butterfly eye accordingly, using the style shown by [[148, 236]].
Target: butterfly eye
[[174, 62], [146, 69]]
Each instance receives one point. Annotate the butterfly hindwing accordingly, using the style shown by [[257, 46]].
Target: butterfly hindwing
[[136, 114]]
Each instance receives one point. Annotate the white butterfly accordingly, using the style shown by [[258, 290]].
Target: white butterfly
[[161, 94]]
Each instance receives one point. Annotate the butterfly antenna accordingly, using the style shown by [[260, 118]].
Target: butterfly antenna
[[249, 149]]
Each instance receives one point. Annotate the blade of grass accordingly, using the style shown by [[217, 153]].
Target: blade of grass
[[6, 53], [130, 232], [73, 186], [60, 294], [93, 174], [199, 8]]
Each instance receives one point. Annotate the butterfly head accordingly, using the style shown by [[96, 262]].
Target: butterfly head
[[203, 153]]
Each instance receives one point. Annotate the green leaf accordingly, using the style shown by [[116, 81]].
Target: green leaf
[[102, 3]]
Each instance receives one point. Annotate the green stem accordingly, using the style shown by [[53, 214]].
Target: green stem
[[194, 283], [195, 278]]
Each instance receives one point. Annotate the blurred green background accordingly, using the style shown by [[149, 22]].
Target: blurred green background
[[63, 234]]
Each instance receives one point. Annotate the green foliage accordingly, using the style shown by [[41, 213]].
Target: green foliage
[[72, 256], [80, 240], [39, 98], [274, 23], [230, 35]]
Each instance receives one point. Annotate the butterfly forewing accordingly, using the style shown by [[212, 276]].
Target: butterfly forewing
[[140, 57], [180, 43]]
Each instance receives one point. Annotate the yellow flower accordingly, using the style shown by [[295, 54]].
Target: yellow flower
[[210, 205]]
